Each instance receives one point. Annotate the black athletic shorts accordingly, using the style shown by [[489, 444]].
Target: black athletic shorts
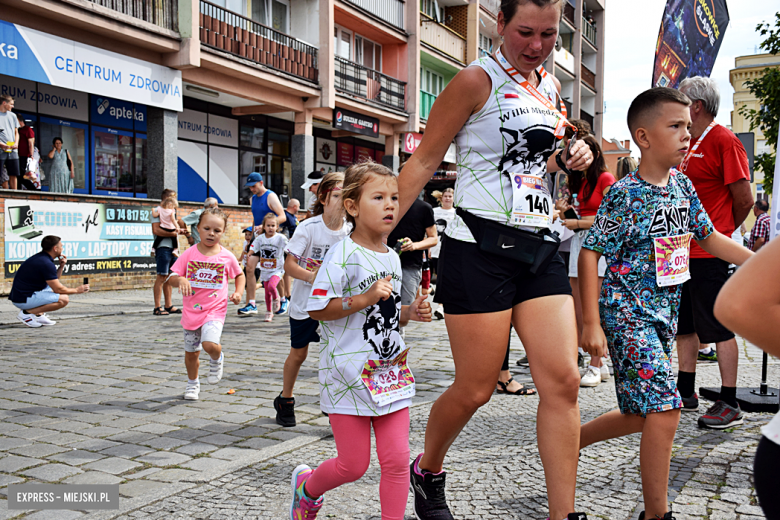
[[474, 282], [303, 332], [698, 301]]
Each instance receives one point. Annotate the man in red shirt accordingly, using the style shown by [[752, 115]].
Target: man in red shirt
[[718, 168]]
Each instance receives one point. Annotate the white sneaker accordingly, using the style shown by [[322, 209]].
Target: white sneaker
[[591, 377], [604, 371], [28, 319], [192, 391], [215, 369], [45, 320]]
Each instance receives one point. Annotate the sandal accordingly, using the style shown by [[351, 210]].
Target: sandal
[[522, 391], [159, 311], [172, 310]]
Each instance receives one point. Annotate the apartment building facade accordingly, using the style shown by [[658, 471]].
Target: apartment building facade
[[224, 88], [748, 68]]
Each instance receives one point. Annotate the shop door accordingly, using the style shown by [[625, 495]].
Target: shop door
[[74, 140]]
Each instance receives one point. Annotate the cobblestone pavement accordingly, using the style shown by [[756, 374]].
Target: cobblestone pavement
[[98, 400]]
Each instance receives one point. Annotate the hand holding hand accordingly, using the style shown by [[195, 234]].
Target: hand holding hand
[[420, 310], [185, 289], [381, 290], [581, 157], [594, 342]]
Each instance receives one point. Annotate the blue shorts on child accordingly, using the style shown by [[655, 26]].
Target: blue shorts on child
[[303, 332]]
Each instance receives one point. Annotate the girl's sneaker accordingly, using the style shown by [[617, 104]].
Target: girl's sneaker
[[303, 507], [269, 316], [192, 391], [215, 369]]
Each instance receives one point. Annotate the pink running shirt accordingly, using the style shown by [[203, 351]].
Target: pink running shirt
[[208, 276]]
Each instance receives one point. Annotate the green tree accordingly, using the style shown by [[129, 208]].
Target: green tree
[[767, 92]]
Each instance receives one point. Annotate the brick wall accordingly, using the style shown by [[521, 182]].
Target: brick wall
[[239, 217], [460, 19]]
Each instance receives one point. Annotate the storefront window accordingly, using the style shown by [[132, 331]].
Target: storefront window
[[74, 140], [113, 160], [250, 162], [276, 173], [252, 137], [141, 173], [279, 141]]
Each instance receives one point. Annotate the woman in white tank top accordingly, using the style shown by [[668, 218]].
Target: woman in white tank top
[[507, 132]]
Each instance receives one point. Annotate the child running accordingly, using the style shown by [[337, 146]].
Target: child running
[[305, 252], [203, 272], [644, 227], [269, 246], [364, 377]]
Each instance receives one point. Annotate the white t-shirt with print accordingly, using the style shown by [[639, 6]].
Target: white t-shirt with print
[[310, 243], [443, 218], [372, 334], [271, 252]]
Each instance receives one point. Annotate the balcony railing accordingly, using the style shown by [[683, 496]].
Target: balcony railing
[[369, 84], [589, 31], [588, 77], [164, 13], [242, 36], [492, 6], [391, 11], [568, 13], [443, 38], [426, 103]]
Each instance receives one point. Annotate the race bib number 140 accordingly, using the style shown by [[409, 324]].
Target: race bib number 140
[[531, 201]]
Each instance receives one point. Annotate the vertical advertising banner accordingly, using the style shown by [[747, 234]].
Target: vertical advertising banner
[[96, 238], [689, 40]]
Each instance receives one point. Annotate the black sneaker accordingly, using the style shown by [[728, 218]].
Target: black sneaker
[[523, 361], [285, 411], [667, 516], [576, 516], [720, 416], [428, 491], [690, 404]]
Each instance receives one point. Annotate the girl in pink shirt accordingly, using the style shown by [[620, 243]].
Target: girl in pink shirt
[[203, 273]]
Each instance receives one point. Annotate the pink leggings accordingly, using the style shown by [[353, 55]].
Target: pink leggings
[[271, 293], [353, 442]]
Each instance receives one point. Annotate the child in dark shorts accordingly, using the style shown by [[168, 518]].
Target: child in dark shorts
[[644, 227]]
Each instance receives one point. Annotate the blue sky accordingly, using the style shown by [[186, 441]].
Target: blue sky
[[632, 30]]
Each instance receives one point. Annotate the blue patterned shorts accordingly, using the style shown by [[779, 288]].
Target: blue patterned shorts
[[641, 355]]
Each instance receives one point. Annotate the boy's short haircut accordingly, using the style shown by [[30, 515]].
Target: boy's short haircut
[[647, 103]]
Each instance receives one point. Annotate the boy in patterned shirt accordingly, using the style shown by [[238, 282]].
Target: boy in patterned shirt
[[644, 227]]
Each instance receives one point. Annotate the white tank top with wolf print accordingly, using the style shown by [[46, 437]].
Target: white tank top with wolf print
[[514, 133]]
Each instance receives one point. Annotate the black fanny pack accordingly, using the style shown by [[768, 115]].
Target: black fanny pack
[[534, 249]]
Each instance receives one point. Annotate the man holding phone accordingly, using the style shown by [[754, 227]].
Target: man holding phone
[[37, 289]]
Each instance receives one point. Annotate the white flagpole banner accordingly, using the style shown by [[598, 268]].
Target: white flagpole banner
[[36, 56], [775, 209]]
